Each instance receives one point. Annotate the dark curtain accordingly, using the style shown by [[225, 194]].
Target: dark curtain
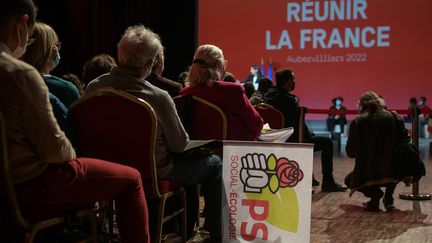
[[90, 27]]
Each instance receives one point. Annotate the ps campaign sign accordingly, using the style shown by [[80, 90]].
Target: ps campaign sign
[[267, 192]]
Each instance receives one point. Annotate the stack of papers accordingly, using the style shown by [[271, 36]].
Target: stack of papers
[[276, 135]]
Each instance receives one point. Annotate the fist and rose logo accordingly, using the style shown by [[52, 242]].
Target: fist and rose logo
[[259, 172]]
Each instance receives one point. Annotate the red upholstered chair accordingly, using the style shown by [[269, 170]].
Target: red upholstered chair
[[271, 115], [16, 222], [118, 127], [201, 118]]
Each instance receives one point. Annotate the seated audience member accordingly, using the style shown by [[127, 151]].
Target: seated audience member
[[75, 81], [49, 180], [43, 60], [258, 96], [137, 53], [208, 68], [44, 55], [280, 97], [173, 88], [254, 76], [424, 115], [96, 66], [249, 89], [373, 136], [229, 77], [336, 119]]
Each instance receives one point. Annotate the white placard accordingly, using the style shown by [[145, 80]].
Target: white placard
[[267, 192]]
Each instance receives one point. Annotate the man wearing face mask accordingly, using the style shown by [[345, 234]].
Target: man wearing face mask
[[336, 119], [44, 55], [49, 179], [281, 98]]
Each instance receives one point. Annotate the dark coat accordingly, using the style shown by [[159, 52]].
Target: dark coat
[[342, 117], [372, 140], [250, 78], [288, 105], [172, 87]]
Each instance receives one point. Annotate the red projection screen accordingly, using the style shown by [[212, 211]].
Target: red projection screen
[[338, 47]]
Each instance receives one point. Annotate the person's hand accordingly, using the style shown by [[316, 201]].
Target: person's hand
[[253, 174]]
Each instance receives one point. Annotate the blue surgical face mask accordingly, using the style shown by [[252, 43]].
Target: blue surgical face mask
[[56, 60], [338, 102]]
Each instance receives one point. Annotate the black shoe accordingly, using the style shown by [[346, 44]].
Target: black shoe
[[388, 203], [333, 187], [372, 205], [315, 182]]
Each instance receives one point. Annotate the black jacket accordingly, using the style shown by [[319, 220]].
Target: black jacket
[[288, 105], [373, 138]]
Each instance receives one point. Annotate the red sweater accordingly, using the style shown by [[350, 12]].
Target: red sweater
[[244, 122]]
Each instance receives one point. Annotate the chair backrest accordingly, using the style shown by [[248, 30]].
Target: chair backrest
[[115, 126], [271, 115], [6, 179], [201, 118]]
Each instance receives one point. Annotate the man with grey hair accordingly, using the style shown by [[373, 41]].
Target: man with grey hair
[[137, 52]]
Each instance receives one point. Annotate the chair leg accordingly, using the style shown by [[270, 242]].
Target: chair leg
[[29, 237], [111, 217], [183, 218], [160, 218], [197, 223]]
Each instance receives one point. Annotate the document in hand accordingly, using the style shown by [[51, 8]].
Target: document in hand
[[277, 135]]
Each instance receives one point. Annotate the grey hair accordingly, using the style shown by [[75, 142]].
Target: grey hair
[[138, 46], [207, 66]]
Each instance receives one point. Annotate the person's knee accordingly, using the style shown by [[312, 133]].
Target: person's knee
[[215, 160], [130, 173]]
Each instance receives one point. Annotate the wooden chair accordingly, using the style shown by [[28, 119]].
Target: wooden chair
[[202, 120], [116, 126], [20, 224], [271, 115]]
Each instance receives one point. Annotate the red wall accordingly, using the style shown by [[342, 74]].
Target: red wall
[[397, 72]]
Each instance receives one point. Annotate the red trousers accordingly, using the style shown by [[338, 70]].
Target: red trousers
[[79, 184]]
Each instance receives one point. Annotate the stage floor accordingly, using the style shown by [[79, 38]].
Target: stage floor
[[336, 217]]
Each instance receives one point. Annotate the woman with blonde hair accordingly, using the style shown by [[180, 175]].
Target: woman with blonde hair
[[205, 81], [43, 53]]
